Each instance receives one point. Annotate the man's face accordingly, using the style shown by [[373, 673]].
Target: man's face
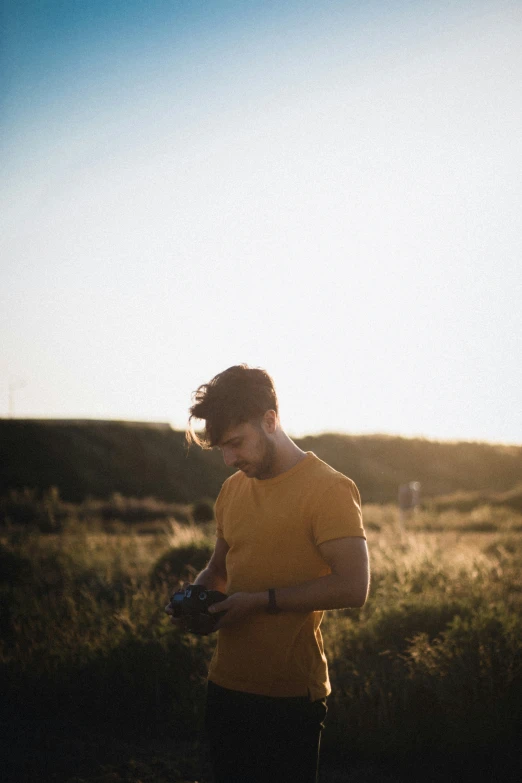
[[248, 448]]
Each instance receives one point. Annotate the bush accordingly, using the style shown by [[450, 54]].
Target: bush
[[181, 563], [132, 675], [474, 662], [14, 567], [203, 511], [400, 693]]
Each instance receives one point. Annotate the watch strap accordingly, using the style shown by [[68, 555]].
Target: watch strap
[[272, 607]]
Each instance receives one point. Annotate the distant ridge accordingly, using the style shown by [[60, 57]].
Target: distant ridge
[[155, 425], [88, 457]]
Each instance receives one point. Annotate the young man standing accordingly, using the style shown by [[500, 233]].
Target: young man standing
[[290, 544]]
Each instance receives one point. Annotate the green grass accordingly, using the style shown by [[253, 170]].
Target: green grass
[[107, 690]]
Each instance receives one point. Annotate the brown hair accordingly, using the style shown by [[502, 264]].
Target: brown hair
[[232, 397]]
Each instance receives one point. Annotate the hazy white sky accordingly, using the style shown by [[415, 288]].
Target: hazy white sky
[[329, 190]]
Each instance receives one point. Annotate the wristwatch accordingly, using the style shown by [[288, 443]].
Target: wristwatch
[[272, 607]]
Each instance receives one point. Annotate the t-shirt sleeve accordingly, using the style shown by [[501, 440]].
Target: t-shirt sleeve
[[338, 512]]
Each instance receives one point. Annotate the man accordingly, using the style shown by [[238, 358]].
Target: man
[[290, 544]]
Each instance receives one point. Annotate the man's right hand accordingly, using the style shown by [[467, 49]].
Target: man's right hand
[[179, 622]]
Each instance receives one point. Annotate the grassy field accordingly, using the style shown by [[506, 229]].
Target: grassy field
[[99, 687]]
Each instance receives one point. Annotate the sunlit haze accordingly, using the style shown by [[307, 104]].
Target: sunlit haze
[[328, 190]]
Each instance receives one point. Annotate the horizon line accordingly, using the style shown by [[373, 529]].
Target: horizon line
[[168, 424]]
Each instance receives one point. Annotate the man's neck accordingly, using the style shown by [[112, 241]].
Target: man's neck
[[288, 454]]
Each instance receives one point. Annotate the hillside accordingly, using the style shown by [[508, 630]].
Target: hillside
[[379, 463], [97, 458], [136, 459]]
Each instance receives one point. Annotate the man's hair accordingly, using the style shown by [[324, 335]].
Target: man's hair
[[232, 397]]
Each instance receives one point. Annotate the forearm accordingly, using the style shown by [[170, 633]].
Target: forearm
[[212, 578], [327, 592]]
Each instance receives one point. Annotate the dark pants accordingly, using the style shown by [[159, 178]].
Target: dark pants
[[262, 739]]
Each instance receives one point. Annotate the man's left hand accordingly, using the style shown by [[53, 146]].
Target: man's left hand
[[238, 607]]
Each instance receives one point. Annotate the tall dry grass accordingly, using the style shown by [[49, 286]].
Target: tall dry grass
[[431, 666]]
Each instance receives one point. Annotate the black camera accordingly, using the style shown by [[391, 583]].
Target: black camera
[[191, 605]]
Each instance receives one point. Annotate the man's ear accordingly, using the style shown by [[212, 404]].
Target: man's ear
[[270, 422]]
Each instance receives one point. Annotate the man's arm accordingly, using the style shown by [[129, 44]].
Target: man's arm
[[347, 585], [214, 576]]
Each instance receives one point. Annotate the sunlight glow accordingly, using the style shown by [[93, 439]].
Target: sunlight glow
[[333, 196]]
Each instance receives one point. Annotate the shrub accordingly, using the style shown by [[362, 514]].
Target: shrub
[[181, 563], [203, 511], [134, 670], [14, 567], [474, 662]]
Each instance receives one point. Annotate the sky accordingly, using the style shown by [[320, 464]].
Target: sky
[[328, 190]]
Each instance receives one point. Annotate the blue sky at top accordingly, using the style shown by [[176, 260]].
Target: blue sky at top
[[327, 189], [53, 51]]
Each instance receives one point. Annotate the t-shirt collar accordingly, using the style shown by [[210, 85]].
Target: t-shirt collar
[[290, 472]]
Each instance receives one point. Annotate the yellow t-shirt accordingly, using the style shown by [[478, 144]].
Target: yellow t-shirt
[[273, 528]]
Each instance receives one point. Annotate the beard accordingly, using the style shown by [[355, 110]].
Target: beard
[[263, 466]]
